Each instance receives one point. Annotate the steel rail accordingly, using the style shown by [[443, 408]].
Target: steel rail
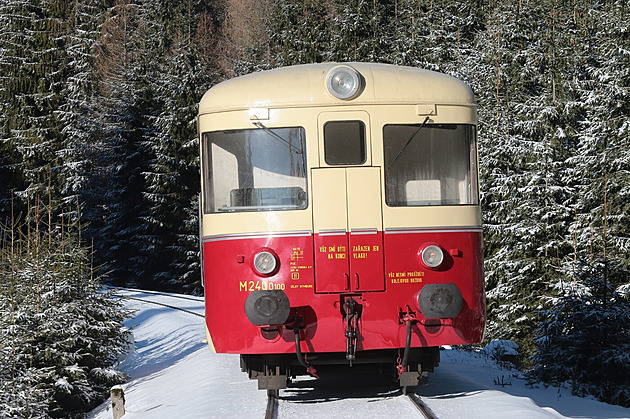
[[159, 304], [272, 404], [427, 413], [181, 297]]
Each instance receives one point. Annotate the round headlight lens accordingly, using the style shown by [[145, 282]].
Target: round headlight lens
[[265, 262], [432, 256], [343, 82]]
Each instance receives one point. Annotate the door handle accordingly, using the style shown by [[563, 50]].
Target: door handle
[[356, 276], [347, 278]]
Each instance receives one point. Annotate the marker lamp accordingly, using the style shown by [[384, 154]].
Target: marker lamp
[[265, 262], [432, 256]]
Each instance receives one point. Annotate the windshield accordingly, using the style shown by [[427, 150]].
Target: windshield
[[430, 165], [260, 169]]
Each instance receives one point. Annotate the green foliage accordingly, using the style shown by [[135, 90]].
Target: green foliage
[[33, 75], [88, 112], [540, 158], [584, 339], [59, 332]]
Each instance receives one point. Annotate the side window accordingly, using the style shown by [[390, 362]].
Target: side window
[[344, 142]]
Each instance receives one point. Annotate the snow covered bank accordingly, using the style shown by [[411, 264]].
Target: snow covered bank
[[174, 375]]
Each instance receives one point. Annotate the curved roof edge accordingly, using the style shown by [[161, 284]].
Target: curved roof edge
[[305, 85]]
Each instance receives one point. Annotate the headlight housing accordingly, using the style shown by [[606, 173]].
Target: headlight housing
[[344, 82], [265, 262], [432, 256]]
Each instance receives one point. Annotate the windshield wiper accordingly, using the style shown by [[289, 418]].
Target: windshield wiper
[[276, 136], [408, 142]]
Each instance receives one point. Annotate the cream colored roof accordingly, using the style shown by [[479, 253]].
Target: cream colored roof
[[305, 85]]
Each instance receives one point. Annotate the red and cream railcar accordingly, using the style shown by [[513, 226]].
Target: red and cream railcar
[[340, 219]]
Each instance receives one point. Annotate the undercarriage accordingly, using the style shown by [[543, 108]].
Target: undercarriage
[[274, 371]]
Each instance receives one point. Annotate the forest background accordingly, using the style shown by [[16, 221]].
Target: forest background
[[98, 100]]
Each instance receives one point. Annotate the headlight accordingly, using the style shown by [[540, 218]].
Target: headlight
[[432, 256], [265, 262], [343, 82]]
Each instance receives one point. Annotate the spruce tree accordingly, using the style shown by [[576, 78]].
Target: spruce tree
[[33, 73], [172, 177], [584, 340], [528, 198], [360, 31], [123, 104], [299, 32], [602, 160], [60, 333], [80, 151]]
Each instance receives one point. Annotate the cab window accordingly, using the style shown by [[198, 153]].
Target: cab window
[[430, 165], [260, 169]]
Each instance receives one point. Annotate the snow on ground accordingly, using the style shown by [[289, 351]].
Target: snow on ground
[[174, 375]]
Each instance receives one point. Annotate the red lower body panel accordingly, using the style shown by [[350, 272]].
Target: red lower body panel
[[396, 276]]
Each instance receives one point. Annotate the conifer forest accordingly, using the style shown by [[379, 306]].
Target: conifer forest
[[99, 168]]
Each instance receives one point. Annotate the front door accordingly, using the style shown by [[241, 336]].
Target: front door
[[347, 214]]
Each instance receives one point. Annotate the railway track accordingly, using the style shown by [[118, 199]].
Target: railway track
[[177, 296], [272, 405], [426, 412], [144, 300]]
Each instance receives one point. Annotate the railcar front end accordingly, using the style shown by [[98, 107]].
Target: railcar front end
[[340, 219]]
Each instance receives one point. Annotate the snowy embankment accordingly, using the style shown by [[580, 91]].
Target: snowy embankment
[[174, 375]]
